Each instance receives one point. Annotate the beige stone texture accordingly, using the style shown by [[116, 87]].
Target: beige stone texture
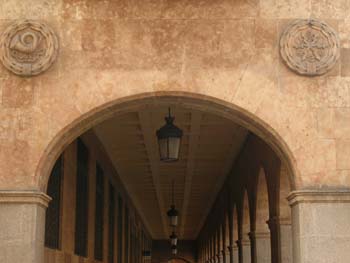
[[263, 247], [223, 51], [246, 251], [235, 255], [22, 220], [320, 226], [218, 56], [286, 243]]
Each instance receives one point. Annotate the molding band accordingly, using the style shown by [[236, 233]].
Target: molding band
[[319, 196], [24, 197], [260, 235], [276, 221]]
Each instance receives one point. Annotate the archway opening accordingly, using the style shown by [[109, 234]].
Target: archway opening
[[119, 190]]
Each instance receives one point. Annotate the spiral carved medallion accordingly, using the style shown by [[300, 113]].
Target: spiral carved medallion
[[309, 47], [28, 47]]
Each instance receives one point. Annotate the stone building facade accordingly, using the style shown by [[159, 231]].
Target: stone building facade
[[278, 68]]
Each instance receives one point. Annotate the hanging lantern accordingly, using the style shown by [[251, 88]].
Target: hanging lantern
[[173, 216], [173, 239], [174, 250], [169, 140], [172, 213]]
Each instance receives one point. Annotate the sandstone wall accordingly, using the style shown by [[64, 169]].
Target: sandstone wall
[[214, 52]]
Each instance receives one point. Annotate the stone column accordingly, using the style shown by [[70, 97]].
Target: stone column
[[263, 247], [228, 258], [246, 251], [225, 256], [219, 258], [230, 254], [274, 224], [285, 230], [321, 226], [235, 254], [22, 226]]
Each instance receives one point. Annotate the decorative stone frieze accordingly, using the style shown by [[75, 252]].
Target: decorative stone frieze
[[28, 47], [309, 47]]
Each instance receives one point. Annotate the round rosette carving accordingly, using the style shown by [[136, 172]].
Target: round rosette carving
[[28, 47], [309, 47]]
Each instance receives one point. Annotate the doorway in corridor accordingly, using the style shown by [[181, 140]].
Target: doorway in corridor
[[111, 192]]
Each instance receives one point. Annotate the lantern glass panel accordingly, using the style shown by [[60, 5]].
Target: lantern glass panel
[[174, 251], [174, 148], [173, 220], [163, 148], [174, 241]]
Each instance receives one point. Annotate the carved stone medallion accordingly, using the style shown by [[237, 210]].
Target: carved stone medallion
[[309, 47], [28, 47]]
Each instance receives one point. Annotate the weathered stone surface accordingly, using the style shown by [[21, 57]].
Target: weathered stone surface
[[285, 8], [215, 50], [320, 226], [17, 92], [330, 9], [345, 64], [22, 219], [343, 154]]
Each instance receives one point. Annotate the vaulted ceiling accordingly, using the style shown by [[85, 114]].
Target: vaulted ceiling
[[209, 147]]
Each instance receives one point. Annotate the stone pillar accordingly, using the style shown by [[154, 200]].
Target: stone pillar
[[22, 226], [225, 256], [246, 251], [274, 224], [263, 247], [320, 226], [285, 229], [230, 254], [219, 258], [235, 254]]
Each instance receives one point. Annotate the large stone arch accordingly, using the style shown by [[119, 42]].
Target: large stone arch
[[84, 121]]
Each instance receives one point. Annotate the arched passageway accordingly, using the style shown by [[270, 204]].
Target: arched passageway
[[121, 156], [118, 61]]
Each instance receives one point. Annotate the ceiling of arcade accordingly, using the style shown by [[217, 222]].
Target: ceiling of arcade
[[209, 147]]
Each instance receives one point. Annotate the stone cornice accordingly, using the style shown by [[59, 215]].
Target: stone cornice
[[24, 197], [319, 196]]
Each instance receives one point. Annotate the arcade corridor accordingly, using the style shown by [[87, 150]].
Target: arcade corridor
[[111, 193]]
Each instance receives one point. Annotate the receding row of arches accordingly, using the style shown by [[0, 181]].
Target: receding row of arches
[[251, 219]]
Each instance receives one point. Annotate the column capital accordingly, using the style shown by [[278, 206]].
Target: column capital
[[256, 235], [237, 243], [24, 197], [319, 196], [245, 242], [277, 221]]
